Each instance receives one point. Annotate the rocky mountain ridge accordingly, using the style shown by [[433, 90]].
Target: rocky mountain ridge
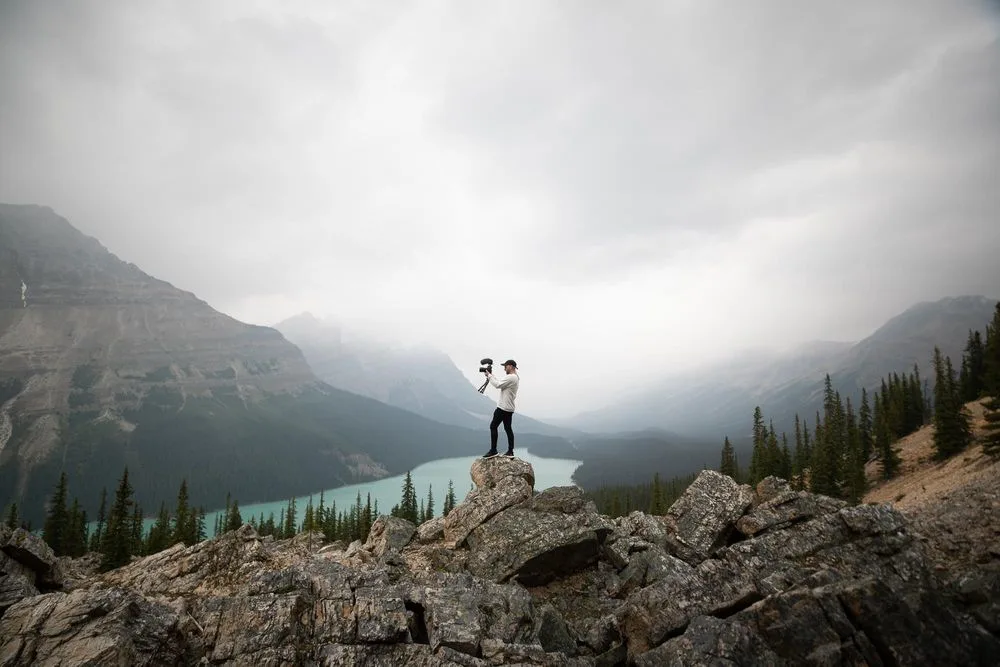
[[730, 575]]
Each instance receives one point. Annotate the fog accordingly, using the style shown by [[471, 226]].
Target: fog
[[603, 191]]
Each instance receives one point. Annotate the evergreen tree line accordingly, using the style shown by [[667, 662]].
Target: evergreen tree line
[[416, 513], [979, 377], [830, 459], [654, 497], [118, 534]]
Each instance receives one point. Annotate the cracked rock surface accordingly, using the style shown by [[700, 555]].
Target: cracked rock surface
[[731, 575]]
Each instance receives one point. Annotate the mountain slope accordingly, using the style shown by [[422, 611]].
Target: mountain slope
[[719, 400], [422, 380], [103, 366]]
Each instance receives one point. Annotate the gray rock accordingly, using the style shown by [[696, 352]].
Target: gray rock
[[603, 634], [772, 487], [381, 615], [649, 528], [381, 655], [90, 627], [649, 567], [32, 552], [389, 533], [712, 641], [431, 531], [494, 472], [784, 509], [481, 505], [553, 635], [14, 587], [707, 511], [460, 612], [555, 533]]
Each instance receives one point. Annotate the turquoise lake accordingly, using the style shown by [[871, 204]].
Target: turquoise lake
[[388, 491]]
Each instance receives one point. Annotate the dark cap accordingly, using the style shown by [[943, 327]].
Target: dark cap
[[511, 362]]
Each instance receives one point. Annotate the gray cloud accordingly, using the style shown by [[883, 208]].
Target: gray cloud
[[651, 182]]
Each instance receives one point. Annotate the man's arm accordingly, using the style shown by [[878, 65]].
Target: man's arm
[[502, 382]]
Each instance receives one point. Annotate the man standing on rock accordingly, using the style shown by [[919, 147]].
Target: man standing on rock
[[505, 407]]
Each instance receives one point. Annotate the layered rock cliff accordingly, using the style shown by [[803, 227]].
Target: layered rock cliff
[[731, 575], [103, 366]]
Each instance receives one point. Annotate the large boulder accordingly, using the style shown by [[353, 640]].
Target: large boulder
[[493, 472], [554, 533], [389, 533], [31, 551], [706, 513], [485, 502], [783, 509]]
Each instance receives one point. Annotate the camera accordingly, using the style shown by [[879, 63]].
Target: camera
[[486, 365]]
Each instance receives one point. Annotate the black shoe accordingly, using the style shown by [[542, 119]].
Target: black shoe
[[490, 454], [510, 453]]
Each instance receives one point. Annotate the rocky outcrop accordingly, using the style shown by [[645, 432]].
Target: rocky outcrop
[[774, 577]]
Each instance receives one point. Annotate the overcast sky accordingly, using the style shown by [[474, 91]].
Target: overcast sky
[[599, 190]]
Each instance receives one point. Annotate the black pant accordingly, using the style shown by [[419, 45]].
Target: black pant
[[498, 417]]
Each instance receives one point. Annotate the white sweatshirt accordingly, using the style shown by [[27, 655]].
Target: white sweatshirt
[[508, 390]]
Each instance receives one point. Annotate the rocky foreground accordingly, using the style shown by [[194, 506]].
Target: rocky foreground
[[731, 575]]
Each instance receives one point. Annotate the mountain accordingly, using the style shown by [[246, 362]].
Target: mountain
[[103, 366], [719, 400], [419, 379]]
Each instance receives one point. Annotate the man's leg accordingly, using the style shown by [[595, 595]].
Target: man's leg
[[494, 432], [507, 419]]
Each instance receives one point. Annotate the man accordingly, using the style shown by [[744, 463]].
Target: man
[[505, 407]]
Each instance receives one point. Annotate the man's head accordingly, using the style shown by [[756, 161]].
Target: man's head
[[510, 366]]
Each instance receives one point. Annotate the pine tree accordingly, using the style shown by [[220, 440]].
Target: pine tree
[[11, 519], [854, 462], [75, 541], [368, 516], [116, 547], [159, 534], [657, 504], [56, 526], [408, 508], [430, 503], [865, 436], [137, 544], [952, 426], [889, 461], [98, 536], [727, 465], [772, 459], [972, 376], [807, 449], [234, 520], [449, 499], [991, 356], [991, 386], [290, 519], [785, 468], [758, 456], [182, 518]]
